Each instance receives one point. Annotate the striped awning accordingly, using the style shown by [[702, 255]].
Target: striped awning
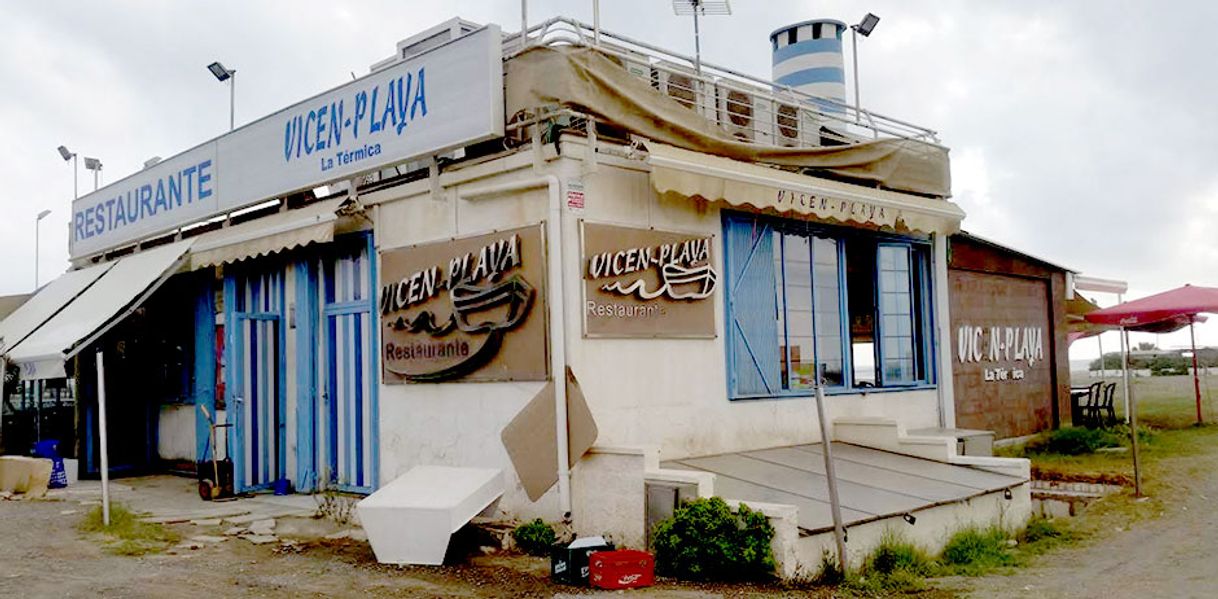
[[714, 178], [314, 223]]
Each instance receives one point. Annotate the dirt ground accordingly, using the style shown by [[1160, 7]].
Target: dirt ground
[[1174, 555], [42, 555]]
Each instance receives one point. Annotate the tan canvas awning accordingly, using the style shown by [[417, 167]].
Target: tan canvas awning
[[314, 223], [714, 178]]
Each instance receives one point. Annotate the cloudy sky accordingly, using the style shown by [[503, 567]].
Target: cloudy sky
[[1081, 132]]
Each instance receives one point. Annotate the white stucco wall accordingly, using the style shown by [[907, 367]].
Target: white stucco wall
[[670, 393]]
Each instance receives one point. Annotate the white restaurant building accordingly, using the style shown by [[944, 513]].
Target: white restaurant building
[[387, 275]]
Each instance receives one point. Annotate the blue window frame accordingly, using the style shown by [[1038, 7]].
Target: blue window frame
[[802, 296]]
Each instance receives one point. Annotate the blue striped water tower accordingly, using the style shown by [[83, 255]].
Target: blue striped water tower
[[808, 57]]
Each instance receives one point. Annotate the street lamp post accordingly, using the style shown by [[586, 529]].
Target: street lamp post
[[69, 155], [37, 245], [222, 74], [863, 28], [94, 165]]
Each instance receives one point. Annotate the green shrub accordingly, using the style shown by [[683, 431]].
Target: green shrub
[[972, 550], [830, 573], [1076, 440], [706, 540], [534, 538]]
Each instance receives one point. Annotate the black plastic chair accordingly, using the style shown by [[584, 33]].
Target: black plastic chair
[[1109, 410], [1090, 407]]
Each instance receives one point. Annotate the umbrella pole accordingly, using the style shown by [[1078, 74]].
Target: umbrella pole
[[1132, 414], [1196, 379]]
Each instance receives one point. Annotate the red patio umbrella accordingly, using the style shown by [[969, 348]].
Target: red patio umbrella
[[1163, 312]]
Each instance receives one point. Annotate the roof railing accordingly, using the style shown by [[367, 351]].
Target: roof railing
[[752, 109]]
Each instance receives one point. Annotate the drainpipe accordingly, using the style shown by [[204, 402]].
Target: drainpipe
[[558, 327], [943, 334]]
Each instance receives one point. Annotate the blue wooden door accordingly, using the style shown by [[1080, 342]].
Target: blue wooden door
[[256, 401], [347, 411]]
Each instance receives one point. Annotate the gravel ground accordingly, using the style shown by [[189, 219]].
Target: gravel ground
[[1171, 556], [42, 555]]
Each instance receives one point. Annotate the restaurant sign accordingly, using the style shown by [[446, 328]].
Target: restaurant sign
[[998, 345], [647, 283], [447, 97], [468, 309]]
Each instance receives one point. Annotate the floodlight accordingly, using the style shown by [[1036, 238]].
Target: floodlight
[[867, 25], [42, 215], [63, 151], [221, 73], [93, 164]]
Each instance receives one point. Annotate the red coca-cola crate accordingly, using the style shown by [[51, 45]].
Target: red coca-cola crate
[[621, 569]]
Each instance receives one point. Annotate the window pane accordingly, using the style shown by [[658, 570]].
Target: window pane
[[828, 310], [797, 272], [896, 314], [780, 296]]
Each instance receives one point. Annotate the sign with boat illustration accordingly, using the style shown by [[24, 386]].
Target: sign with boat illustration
[[469, 309], [647, 283]]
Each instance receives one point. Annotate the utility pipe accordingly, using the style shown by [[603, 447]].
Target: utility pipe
[[1132, 414], [835, 506], [102, 438], [558, 326]]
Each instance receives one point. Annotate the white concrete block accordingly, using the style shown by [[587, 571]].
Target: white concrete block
[[410, 520]]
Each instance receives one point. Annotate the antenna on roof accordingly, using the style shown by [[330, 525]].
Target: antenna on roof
[[700, 8]]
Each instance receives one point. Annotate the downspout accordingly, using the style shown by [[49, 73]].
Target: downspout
[[558, 325], [943, 335]]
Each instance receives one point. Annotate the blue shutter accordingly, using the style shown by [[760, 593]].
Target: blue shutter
[[751, 308]]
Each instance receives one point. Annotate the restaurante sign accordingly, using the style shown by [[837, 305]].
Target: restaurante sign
[[647, 283], [465, 309]]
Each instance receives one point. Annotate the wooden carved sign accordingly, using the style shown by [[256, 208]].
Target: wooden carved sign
[[470, 309], [647, 283]]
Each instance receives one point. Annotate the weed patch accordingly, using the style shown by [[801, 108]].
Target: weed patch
[[974, 551], [895, 565], [126, 535], [535, 538]]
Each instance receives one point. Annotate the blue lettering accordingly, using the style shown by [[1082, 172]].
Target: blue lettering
[[99, 223], [161, 202], [361, 110], [390, 102], [372, 117], [321, 127], [308, 138], [175, 188], [78, 220], [287, 139], [336, 123], [88, 222], [120, 212], [204, 177], [299, 134], [189, 173], [146, 208], [110, 213], [133, 207], [420, 98], [402, 103]]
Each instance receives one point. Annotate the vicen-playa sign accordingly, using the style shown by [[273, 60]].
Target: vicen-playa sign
[[469, 309], [647, 283]]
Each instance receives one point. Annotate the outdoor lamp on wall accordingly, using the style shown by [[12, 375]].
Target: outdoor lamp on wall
[[69, 155], [864, 28], [230, 75], [94, 165]]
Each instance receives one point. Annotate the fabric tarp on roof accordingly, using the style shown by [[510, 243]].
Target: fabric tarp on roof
[[46, 302], [122, 288], [266, 235], [693, 174], [590, 82]]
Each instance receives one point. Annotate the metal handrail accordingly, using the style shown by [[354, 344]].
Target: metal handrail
[[765, 99]]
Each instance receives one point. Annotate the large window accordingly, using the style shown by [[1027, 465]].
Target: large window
[[803, 298]]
